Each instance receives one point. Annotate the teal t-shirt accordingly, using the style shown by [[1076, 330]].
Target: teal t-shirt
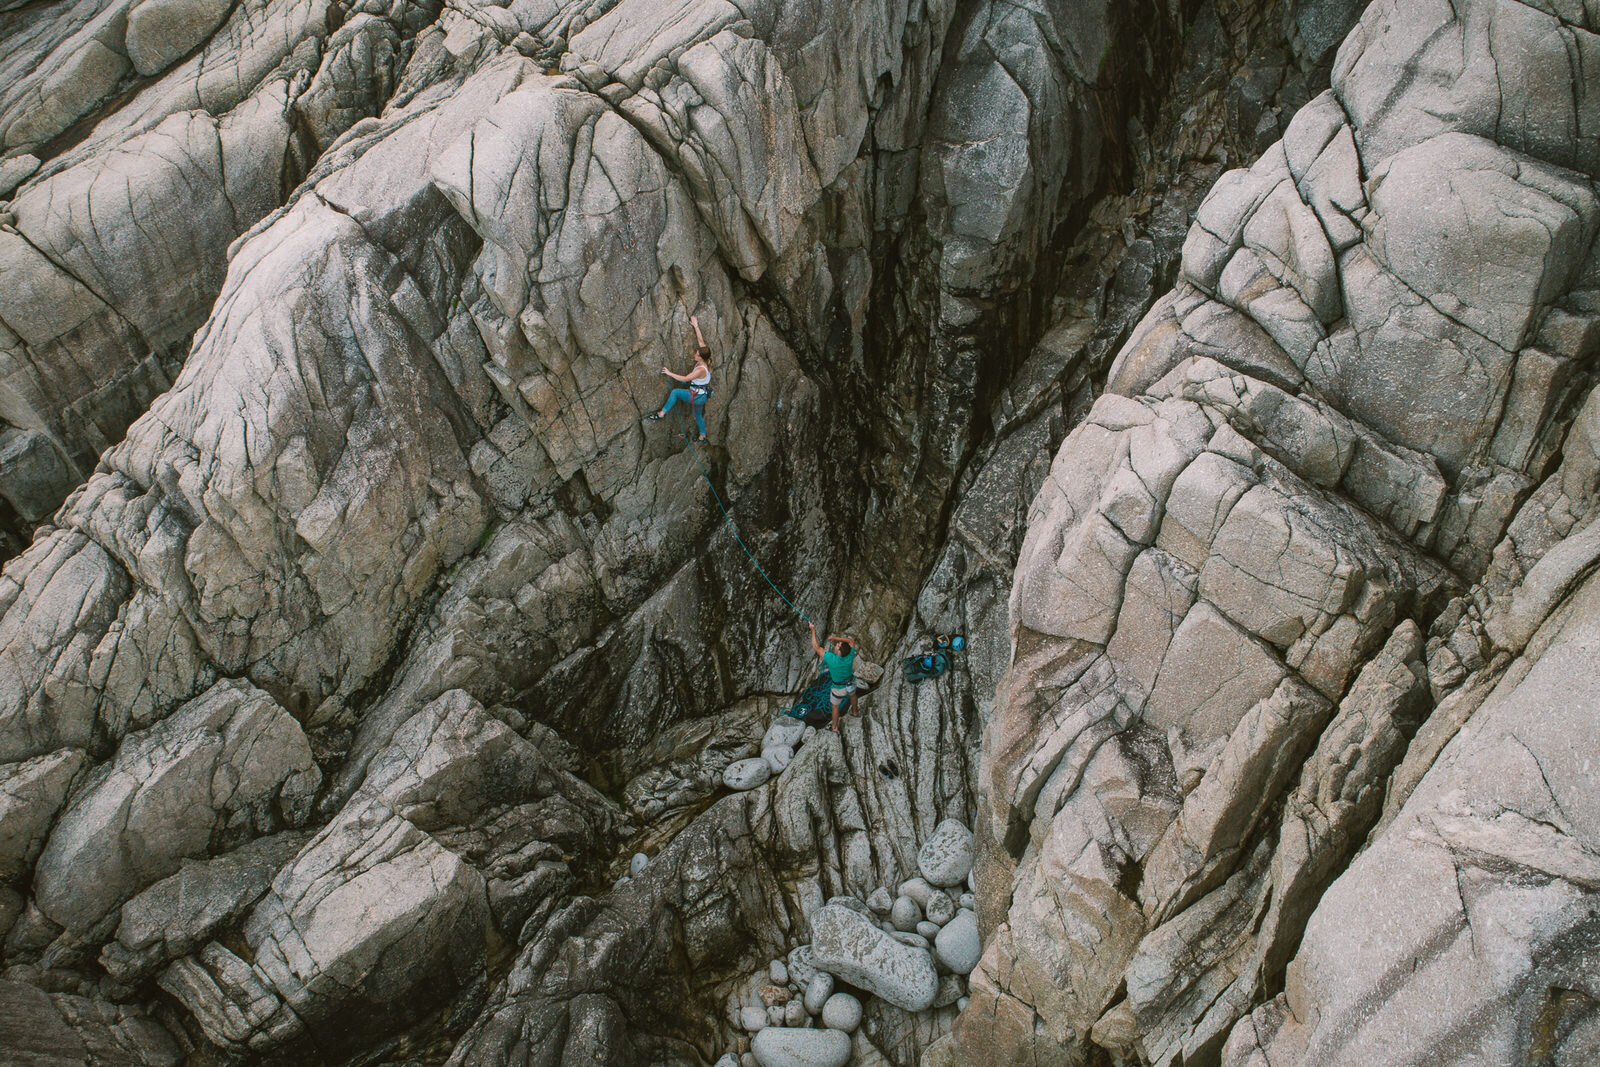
[[840, 668]]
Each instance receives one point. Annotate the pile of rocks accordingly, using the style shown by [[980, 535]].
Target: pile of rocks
[[912, 949], [777, 751]]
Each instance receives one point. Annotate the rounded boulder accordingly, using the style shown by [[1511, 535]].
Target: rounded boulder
[[946, 857], [905, 915], [842, 1012], [746, 774], [784, 732], [957, 945], [788, 1046]]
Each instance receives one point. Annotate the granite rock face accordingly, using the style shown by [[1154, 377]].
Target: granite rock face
[[1228, 389], [1287, 541]]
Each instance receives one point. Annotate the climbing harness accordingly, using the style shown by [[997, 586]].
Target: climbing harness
[[721, 507]]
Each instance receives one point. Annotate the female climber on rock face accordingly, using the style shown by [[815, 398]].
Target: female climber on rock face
[[698, 381], [840, 660]]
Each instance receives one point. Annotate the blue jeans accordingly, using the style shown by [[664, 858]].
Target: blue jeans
[[697, 403]]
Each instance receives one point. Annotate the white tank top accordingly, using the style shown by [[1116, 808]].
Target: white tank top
[[704, 379]]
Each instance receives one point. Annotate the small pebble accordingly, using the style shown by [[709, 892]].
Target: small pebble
[[794, 1013], [637, 865], [779, 972], [939, 907], [968, 901], [917, 889], [753, 1019], [961, 1005], [801, 969], [880, 901], [927, 929], [818, 992], [905, 914], [776, 1013], [842, 1012]]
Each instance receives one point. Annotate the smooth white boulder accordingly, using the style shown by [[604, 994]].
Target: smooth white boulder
[[753, 1019], [957, 945], [905, 914], [746, 774], [818, 990], [842, 1012], [915, 888], [778, 758], [784, 1046], [849, 947], [784, 732], [946, 857]]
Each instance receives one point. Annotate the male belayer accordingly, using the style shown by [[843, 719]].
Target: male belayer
[[698, 381], [839, 661]]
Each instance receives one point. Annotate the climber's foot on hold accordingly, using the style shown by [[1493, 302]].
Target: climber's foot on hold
[[701, 438], [654, 418]]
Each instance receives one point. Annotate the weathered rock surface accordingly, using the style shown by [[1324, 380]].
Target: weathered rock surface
[[180, 913], [386, 910], [32, 793], [1230, 619], [333, 325], [51, 1029], [228, 765]]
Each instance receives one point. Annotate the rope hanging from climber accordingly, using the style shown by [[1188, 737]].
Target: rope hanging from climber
[[697, 393]]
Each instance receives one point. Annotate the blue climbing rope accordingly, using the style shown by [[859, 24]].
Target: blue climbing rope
[[695, 453]]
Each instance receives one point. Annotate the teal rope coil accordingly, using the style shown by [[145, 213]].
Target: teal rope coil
[[695, 453]]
